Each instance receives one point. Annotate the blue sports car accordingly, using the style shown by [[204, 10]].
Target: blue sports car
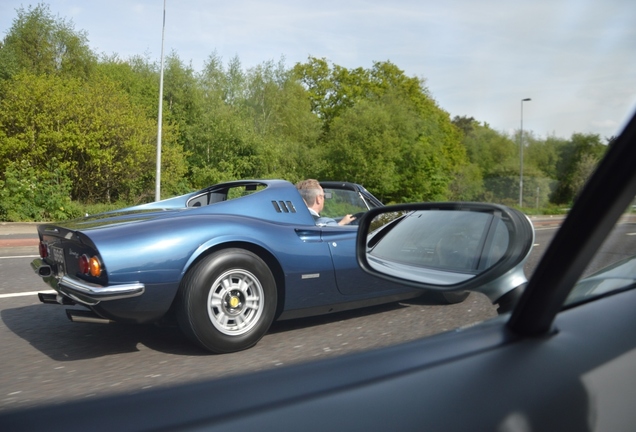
[[228, 260], [225, 261]]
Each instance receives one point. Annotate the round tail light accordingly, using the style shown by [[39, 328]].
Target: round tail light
[[44, 250], [90, 266], [95, 267], [83, 264]]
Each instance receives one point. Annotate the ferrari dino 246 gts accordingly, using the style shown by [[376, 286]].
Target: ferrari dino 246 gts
[[226, 261]]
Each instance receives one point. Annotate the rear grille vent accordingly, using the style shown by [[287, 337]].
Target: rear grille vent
[[284, 206]]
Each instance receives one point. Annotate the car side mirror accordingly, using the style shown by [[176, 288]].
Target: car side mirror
[[447, 247]]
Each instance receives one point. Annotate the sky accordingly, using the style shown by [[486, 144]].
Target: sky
[[575, 59]]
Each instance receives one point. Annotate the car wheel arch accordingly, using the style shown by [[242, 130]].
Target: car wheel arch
[[266, 255]]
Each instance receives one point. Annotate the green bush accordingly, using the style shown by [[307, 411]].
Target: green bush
[[91, 209], [27, 195]]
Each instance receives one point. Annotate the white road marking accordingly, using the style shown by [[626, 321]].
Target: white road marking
[[24, 294], [20, 256]]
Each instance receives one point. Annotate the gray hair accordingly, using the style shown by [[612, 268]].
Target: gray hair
[[309, 190]]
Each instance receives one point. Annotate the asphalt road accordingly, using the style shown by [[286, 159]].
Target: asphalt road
[[47, 359]]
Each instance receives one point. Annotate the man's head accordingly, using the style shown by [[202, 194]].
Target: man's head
[[312, 193]]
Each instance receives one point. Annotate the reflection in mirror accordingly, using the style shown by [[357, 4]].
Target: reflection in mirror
[[441, 247]]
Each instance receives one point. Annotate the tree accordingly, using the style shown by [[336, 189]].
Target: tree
[[39, 43], [584, 168], [466, 124], [467, 185], [254, 123], [333, 89], [543, 154], [363, 146], [220, 145], [137, 77], [318, 79], [387, 145], [574, 157], [102, 143], [382, 128], [280, 111], [487, 148]]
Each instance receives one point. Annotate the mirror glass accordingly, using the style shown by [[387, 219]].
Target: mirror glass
[[441, 247]]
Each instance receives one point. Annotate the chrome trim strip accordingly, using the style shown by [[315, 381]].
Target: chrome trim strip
[[99, 292]]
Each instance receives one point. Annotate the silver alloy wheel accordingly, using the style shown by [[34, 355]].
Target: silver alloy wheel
[[235, 302]]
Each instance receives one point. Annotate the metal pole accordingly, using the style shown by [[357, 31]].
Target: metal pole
[[521, 155], [159, 116]]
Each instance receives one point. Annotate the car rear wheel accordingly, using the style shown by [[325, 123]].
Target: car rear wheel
[[227, 301]]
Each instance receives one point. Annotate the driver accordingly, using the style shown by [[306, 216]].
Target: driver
[[314, 197]]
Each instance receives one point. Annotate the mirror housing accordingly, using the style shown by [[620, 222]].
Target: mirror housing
[[448, 247]]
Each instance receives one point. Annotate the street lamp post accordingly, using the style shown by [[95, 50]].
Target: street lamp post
[[521, 155], [160, 113]]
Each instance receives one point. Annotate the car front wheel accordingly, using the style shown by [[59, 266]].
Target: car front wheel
[[227, 301]]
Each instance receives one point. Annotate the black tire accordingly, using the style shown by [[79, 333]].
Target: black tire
[[227, 301], [454, 297]]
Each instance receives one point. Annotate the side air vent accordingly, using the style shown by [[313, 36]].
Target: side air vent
[[284, 207]]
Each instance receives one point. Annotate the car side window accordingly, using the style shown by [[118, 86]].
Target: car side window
[[225, 194], [614, 265], [339, 202]]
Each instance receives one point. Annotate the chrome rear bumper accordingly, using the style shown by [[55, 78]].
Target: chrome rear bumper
[[84, 292]]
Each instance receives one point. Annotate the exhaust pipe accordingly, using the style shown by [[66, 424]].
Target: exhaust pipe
[[57, 299], [41, 268], [48, 298], [84, 316], [45, 271]]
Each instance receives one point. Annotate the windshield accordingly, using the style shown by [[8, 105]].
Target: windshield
[[340, 202], [614, 265]]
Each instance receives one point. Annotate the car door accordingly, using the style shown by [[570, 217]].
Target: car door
[[351, 280], [342, 199]]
